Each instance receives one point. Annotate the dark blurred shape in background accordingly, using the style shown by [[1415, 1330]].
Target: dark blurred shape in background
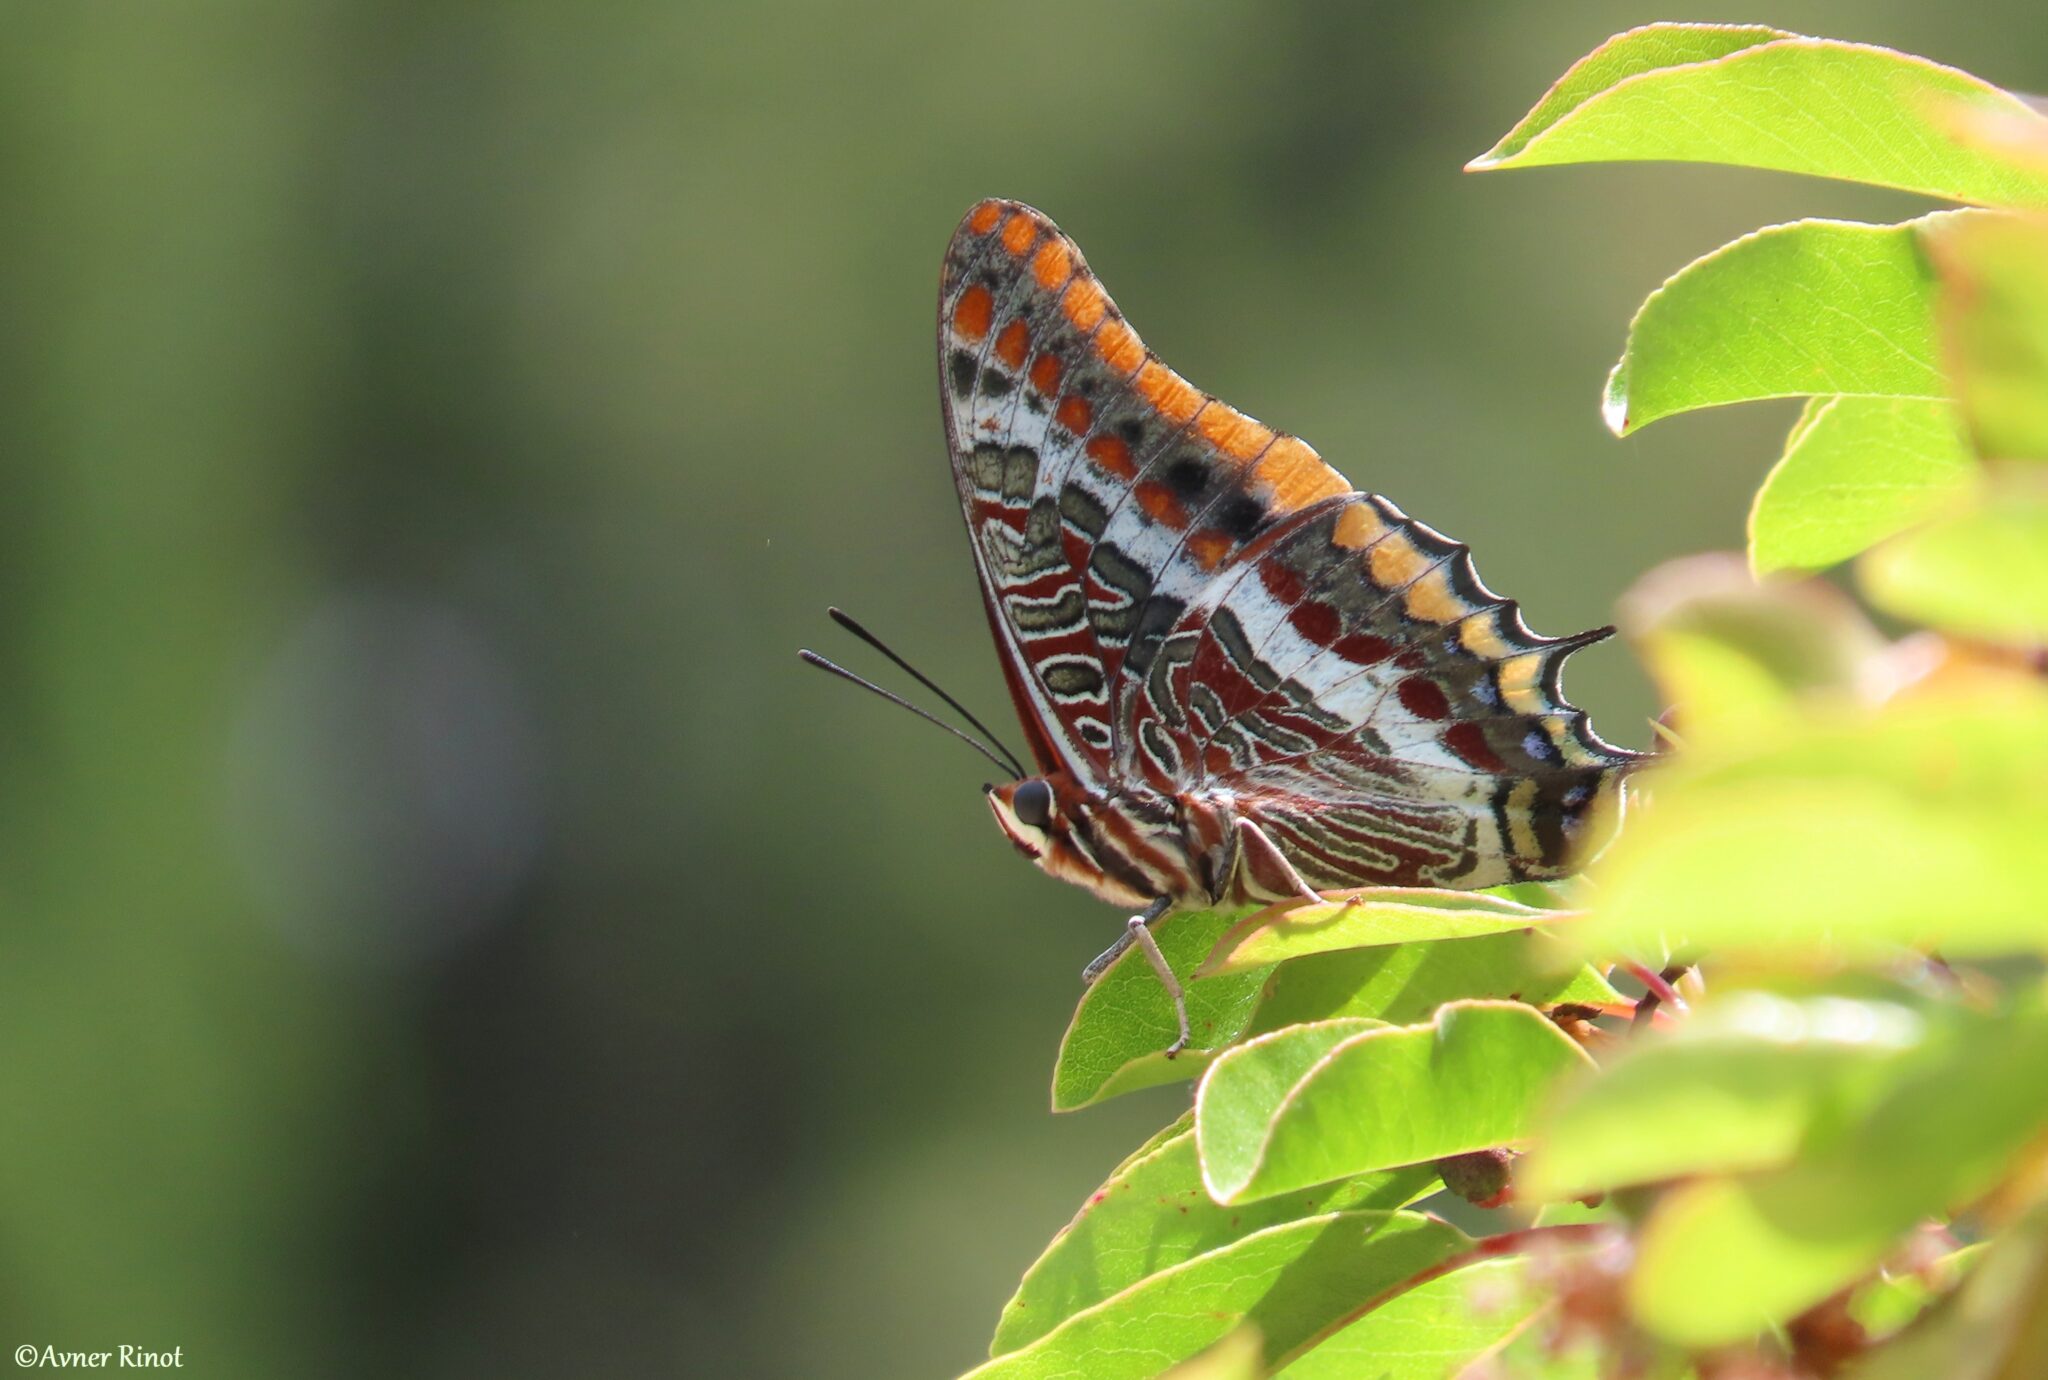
[[443, 932]]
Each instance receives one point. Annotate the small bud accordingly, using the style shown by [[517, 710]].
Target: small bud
[[1480, 1177]]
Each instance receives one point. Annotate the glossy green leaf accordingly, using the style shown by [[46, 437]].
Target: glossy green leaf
[[1845, 834], [1404, 983], [1239, 1356], [1153, 1214], [1430, 1331], [1757, 98], [1816, 307], [1290, 1282], [1994, 313], [1981, 573], [1719, 1259], [1367, 918], [1857, 470], [1740, 1086], [1649, 49], [1299, 1107], [1116, 1042]]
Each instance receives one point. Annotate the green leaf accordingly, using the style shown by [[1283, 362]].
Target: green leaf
[[1844, 835], [1719, 1259], [1756, 98], [1982, 573], [1816, 307], [1649, 49], [1730, 655], [1239, 1356], [1857, 470], [1430, 1331], [1367, 918], [1153, 1214], [1994, 313], [1116, 1042], [1289, 1281], [1314, 1103], [1404, 983], [1739, 1086]]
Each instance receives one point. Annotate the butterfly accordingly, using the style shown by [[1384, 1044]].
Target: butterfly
[[1240, 680]]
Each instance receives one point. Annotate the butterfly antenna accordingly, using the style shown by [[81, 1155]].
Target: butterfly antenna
[[812, 658], [848, 622]]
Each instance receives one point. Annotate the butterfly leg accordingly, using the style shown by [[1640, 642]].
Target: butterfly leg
[[1138, 930], [1100, 964], [1267, 865]]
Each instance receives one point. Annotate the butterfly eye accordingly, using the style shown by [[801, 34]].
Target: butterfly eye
[[1032, 804]]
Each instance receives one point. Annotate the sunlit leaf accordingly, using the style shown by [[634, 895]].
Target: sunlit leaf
[[1994, 313], [1982, 573], [1720, 1258], [1751, 97], [1153, 1214], [1816, 307], [1404, 983], [1239, 1356], [1290, 1282], [1298, 1107], [1845, 835], [1740, 1086], [1366, 918], [1856, 471], [1116, 1042], [1730, 655], [1430, 1331]]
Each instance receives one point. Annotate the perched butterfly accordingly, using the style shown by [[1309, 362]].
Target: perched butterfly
[[1240, 680]]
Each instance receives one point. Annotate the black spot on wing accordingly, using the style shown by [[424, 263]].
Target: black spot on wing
[[1187, 476], [1240, 518], [961, 367]]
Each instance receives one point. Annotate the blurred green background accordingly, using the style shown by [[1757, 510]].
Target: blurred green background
[[443, 932]]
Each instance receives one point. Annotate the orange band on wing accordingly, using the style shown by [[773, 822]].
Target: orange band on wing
[[984, 217], [1160, 505], [1296, 475], [1113, 455], [1176, 398], [1020, 234], [1209, 548], [1085, 303], [1356, 526], [1119, 347], [1233, 433], [1014, 344], [1053, 264], [974, 311]]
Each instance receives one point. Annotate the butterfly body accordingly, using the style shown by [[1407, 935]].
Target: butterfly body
[[1240, 678]]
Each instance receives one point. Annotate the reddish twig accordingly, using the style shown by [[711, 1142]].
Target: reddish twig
[[1657, 989]]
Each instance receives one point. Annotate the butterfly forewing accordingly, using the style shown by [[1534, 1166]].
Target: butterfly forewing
[[1187, 601]]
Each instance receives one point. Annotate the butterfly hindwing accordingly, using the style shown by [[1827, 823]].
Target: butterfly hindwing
[[1187, 600]]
